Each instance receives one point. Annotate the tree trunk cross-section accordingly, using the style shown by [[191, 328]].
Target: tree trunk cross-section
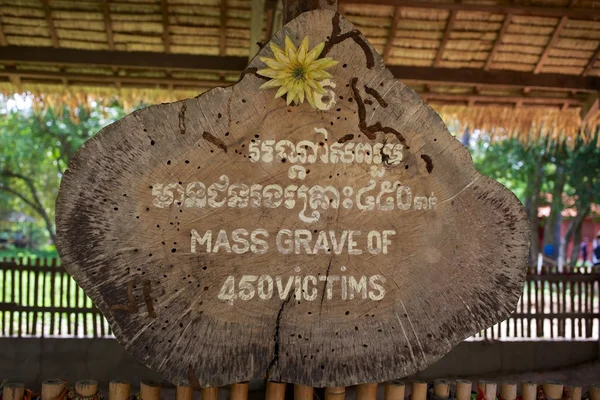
[[230, 237]]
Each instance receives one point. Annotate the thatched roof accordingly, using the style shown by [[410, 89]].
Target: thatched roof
[[522, 42]]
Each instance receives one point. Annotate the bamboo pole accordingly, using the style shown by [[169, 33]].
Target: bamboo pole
[[239, 391], [366, 391], [302, 392], [441, 388], [275, 391], [463, 389], [86, 388], [119, 390], [418, 390], [553, 389], [528, 391], [575, 392], [595, 392], [394, 390], [13, 391], [488, 388], [335, 393], [184, 392], [52, 388], [150, 390], [209, 393], [508, 390]]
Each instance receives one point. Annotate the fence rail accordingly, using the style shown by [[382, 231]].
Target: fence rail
[[39, 298]]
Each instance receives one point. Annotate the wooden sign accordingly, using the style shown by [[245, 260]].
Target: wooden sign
[[341, 239]]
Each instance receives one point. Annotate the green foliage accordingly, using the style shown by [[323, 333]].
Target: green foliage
[[36, 149]]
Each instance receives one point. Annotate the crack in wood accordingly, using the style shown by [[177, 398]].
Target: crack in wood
[[337, 38], [191, 375], [252, 71], [214, 140], [182, 119], [428, 162], [371, 130], [276, 337], [324, 287]]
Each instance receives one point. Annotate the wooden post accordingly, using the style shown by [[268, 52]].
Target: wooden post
[[441, 389], [394, 390], [52, 388], [335, 393], [418, 390], [575, 392], [239, 391], [463, 389], [293, 8], [302, 392], [184, 392], [150, 390], [13, 391], [209, 393], [508, 390], [275, 391], [119, 390], [528, 390], [595, 391], [366, 391], [489, 389], [86, 388], [553, 390]]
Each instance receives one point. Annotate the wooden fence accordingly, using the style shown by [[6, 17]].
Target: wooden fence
[[54, 389], [39, 298]]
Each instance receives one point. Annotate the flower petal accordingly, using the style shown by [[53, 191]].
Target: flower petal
[[273, 83], [314, 53], [302, 50], [290, 49], [310, 97], [282, 90], [272, 63], [269, 72]]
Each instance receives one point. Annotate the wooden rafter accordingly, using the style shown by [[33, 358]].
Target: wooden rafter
[[589, 107], [107, 23], [449, 25], [164, 8], [551, 43], [3, 41], [223, 14], [592, 61], [497, 42], [150, 60], [392, 34], [474, 98], [50, 22], [256, 25], [520, 9]]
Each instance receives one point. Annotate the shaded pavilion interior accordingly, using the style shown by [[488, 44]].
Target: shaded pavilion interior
[[490, 63]]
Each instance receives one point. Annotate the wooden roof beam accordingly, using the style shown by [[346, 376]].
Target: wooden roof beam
[[150, 60], [164, 8], [474, 98], [256, 25], [3, 41], [449, 25], [50, 22], [392, 34], [592, 61], [107, 23], [498, 41], [551, 43], [223, 14], [514, 9]]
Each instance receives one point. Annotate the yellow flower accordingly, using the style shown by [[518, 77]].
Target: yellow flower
[[296, 71]]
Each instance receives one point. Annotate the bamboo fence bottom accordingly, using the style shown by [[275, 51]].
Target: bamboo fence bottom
[[58, 389]]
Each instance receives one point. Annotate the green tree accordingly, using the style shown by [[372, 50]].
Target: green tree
[[36, 149]]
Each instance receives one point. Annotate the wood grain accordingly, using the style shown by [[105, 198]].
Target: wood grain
[[127, 217]]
